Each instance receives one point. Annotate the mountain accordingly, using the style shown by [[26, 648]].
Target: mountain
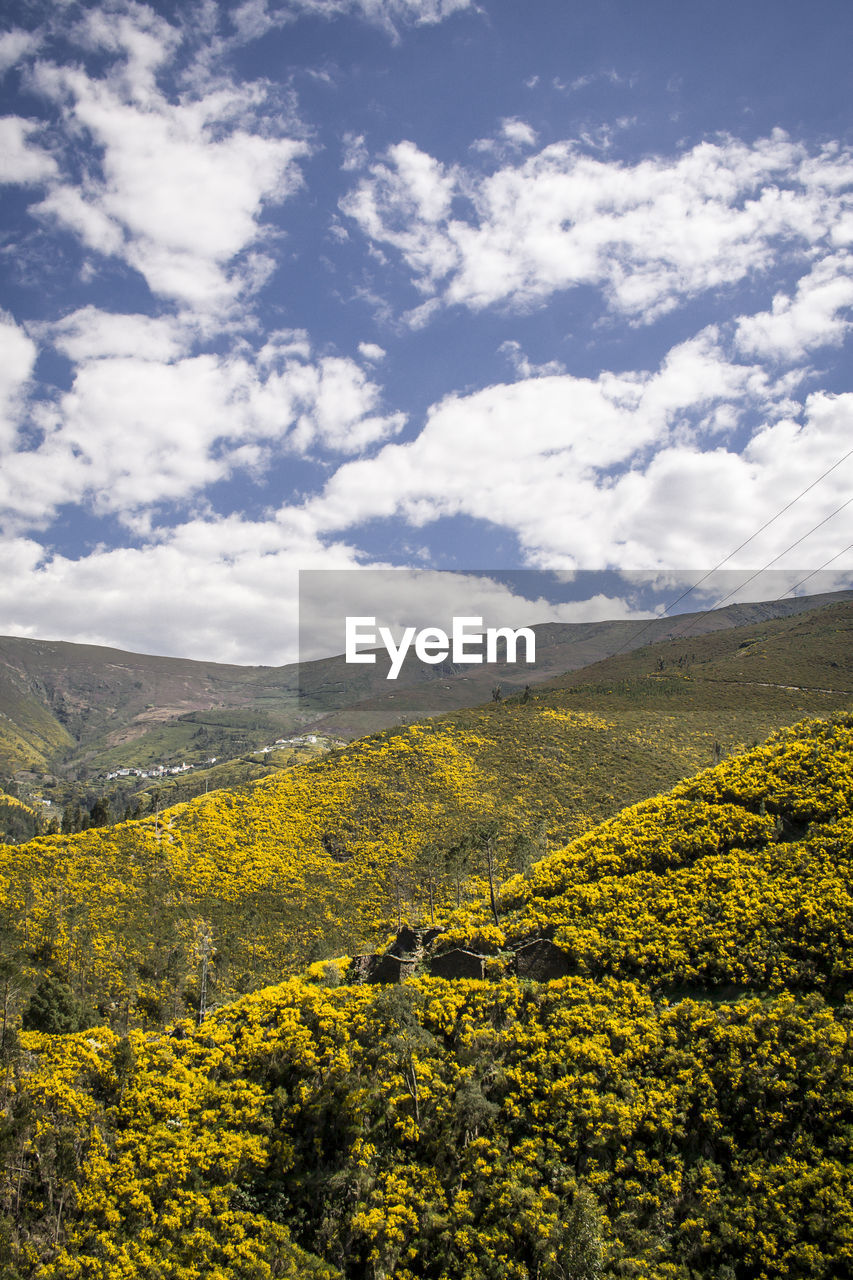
[[80, 711], [676, 1105], [568, 647]]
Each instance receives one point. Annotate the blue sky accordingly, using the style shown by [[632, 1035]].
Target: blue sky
[[348, 284]]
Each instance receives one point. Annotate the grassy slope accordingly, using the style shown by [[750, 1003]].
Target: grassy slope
[[608, 1124], [326, 857], [113, 707], [30, 736]]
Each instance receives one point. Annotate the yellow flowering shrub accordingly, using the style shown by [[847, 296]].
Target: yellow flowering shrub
[[677, 1108]]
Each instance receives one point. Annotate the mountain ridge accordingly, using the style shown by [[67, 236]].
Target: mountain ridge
[[83, 709]]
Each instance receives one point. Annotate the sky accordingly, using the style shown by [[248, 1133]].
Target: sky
[[428, 285]]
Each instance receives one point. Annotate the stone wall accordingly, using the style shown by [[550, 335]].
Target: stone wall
[[457, 964], [542, 961]]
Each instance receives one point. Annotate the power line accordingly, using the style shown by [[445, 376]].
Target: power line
[[745, 543], [759, 572], [849, 547], [766, 525]]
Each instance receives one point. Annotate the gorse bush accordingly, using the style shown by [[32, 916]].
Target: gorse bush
[[678, 1108], [150, 919]]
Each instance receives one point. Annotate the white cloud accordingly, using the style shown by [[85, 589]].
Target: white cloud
[[402, 203], [523, 366], [15, 45], [254, 18], [146, 41], [355, 152], [648, 235], [221, 589], [145, 424], [90, 334], [182, 185], [518, 133], [514, 135], [20, 160], [338, 402], [632, 470], [401, 598], [19, 356], [585, 472], [814, 317], [77, 213], [371, 351], [419, 317]]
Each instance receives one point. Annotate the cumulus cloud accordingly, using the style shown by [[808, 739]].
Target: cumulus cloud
[[181, 186], [19, 355], [371, 351], [159, 160], [144, 423], [648, 235], [815, 316], [222, 589], [633, 470], [15, 45], [636, 470], [90, 333], [423, 597], [22, 161], [518, 132], [514, 135]]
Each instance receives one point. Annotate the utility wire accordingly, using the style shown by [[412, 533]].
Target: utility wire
[[759, 572], [766, 525], [849, 547], [747, 541]]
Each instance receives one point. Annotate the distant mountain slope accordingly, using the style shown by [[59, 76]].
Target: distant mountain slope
[[94, 699], [631, 1118], [85, 709], [812, 650], [560, 648]]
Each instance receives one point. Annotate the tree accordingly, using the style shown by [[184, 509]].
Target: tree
[[100, 812], [404, 1036], [483, 840], [54, 1008], [525, 849], [11, 986]]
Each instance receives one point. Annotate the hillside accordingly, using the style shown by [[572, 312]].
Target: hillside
[[560, 648], [329, 857], [676, 1107], [71, 712], [83, 702]]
